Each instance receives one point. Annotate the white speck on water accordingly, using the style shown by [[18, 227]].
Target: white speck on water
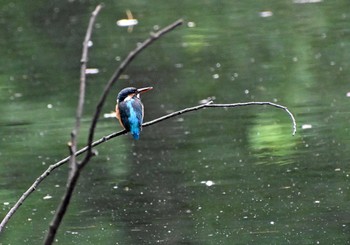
[[208, 182], [306, 126], [127, 22], [306, 1], [109, 115], [92, 71], [47, 197], [265, 14], [272, 222], [179, 65], [216, 76], [181, 119], [49, 106], [191, 24], [6, 203], [317, 202]]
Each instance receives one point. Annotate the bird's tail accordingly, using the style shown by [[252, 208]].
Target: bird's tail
[[135, 131]]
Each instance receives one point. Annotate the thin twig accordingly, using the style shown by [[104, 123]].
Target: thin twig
[[260, 103], [74, 172]]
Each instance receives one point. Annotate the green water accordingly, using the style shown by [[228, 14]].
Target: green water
[[215, 176]]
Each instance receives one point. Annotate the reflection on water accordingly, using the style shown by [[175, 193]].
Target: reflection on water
[[215, 176]]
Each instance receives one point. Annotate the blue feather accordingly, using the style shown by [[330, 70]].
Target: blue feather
[[134, 119]]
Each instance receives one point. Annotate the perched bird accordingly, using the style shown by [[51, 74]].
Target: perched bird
[[129, 109]]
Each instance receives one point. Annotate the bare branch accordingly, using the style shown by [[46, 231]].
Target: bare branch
[[116, 134], [84, 60], [260, 103], [74, 172], [75, 167], [62, 208]]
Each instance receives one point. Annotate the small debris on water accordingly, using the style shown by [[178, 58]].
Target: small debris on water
[[207, 100], [47, 197], [216, 76], [306, 1], [92, 71], [191, 24], [306, 126], [109, 115], [265, 14], [130, 22], [127, 22], [208, 182]]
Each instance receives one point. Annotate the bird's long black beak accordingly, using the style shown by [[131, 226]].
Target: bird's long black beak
[[143, 90]]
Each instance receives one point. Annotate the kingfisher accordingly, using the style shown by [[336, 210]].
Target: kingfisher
[[129, 109]]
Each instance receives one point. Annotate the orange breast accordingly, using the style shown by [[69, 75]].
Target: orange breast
[[117, 114]]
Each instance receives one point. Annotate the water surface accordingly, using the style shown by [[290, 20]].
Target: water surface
[[215, 176]]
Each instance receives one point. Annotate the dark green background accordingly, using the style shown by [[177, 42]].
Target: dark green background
[[268, 186]]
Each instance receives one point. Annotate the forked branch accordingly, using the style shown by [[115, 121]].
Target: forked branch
[[90, 143]]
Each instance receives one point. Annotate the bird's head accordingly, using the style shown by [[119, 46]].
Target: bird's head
[[131, 92]]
